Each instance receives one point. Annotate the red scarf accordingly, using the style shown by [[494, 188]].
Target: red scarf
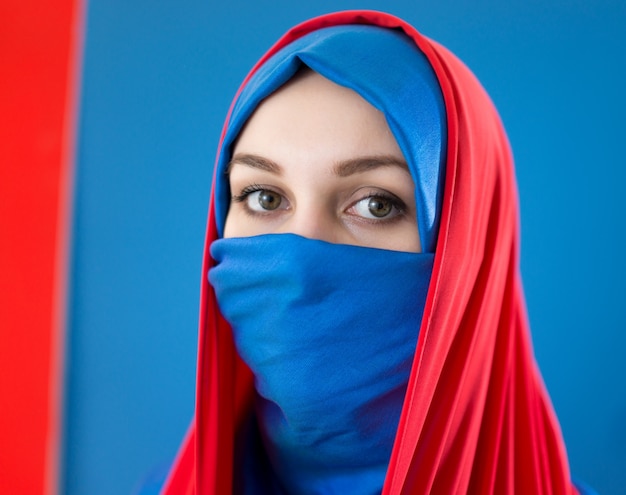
[[477, 417]]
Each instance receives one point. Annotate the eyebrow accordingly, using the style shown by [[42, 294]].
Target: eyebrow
[[344, 168], [255, 161], [362, 164]]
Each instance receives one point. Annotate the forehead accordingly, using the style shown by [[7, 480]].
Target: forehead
[[311, 117]]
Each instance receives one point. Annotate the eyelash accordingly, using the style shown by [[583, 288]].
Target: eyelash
[[248, 190], [396, 202]]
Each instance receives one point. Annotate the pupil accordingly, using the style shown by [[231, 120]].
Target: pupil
[[268, 200], [379, 207]]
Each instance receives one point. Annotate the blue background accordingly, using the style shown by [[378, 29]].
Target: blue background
[[158, 79]]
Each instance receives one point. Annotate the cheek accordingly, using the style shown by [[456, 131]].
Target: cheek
[[240, 224], [233, 226], [402, 237]]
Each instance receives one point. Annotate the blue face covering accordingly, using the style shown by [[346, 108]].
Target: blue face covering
[[329, 332]]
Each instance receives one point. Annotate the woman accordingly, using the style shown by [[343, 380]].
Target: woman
[[363, 327]]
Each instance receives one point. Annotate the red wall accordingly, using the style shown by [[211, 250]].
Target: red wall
[[40, 44]]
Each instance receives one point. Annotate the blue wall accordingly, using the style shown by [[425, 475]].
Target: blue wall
[[158, 79]]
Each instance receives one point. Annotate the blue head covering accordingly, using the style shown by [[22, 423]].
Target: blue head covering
[[385, 68]]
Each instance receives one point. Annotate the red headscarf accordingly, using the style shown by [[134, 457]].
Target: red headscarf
[[476, 417]]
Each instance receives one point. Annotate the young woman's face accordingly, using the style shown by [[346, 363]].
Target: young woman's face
[[316, 159]]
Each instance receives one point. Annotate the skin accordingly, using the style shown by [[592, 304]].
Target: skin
[[316, 159]]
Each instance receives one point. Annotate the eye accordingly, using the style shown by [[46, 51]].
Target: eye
[[377, 207], [257, 199], [263, 200]]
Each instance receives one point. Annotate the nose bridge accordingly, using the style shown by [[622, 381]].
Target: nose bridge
[[312, 219]]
